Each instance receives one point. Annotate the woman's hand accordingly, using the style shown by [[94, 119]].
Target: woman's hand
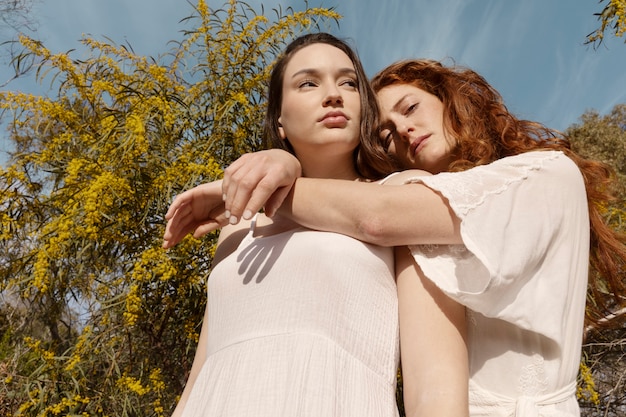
[[199, 210], [256, 180]]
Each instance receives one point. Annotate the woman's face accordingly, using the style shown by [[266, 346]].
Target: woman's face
[[321, 102], [412, 128]]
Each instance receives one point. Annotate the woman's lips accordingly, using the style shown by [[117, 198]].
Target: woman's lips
[[417, 145], [334, 119]]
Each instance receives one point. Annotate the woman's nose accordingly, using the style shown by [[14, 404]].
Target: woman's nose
[[333, 97], [404, 131]]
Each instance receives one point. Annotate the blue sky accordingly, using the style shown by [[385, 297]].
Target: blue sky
[[532, 51]]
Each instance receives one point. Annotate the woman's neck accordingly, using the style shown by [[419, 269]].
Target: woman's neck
[[335, 168], [337, 173]]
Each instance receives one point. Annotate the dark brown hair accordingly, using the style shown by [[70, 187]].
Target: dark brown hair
[[475, 115], [370, 160]]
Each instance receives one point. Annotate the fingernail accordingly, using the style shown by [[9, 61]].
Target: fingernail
[[232, 219], [223, 197], [227, 214], [247, 214]]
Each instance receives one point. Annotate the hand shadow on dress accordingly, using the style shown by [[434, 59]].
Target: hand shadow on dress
[[258, 258]]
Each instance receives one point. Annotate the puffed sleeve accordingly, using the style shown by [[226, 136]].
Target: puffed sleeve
[[522, 219]]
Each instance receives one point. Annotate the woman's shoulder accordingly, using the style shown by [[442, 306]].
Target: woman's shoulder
[[536, 158], [555, 164], [230, 238], [544, 165]]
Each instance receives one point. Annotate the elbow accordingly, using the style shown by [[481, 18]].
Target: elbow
[[375, 229]]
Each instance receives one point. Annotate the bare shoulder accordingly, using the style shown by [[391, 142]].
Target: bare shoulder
[[230, 238]]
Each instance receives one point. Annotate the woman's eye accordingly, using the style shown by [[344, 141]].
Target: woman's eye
[[350, 83], [411, 108], [306, 83], [386, 137]]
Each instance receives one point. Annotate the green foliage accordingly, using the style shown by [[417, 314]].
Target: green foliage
[[604, 138], [113, 320]]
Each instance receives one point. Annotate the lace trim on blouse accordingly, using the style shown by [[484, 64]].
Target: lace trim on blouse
[[469, 189]]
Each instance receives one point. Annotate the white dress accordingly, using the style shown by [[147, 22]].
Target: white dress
[[522, 273], [301, 323]]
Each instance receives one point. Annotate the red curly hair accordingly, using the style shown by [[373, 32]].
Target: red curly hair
[[485, 130]]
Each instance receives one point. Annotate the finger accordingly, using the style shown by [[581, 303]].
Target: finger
[[181, 200], [217, 219], [253, 180], [176, 236], [176, 204], [178, 217], [206, 228], [251, 188], [265, 195], [172, 238], [241, 168], [177, 228], [232, 169], [243, 184]]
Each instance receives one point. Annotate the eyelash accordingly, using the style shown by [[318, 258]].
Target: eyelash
[[307, 83], [410, 109], [310, 83], [387, 141]]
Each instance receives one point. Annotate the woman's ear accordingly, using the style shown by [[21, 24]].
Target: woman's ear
[[281, 130]]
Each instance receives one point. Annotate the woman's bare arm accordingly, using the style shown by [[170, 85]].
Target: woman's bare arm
[[432, 344], [387, 215], [196, 367]]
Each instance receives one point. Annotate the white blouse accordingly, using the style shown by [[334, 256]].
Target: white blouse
[[522, 273]]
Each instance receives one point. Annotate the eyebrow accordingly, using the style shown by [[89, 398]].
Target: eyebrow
[[313, 71]]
